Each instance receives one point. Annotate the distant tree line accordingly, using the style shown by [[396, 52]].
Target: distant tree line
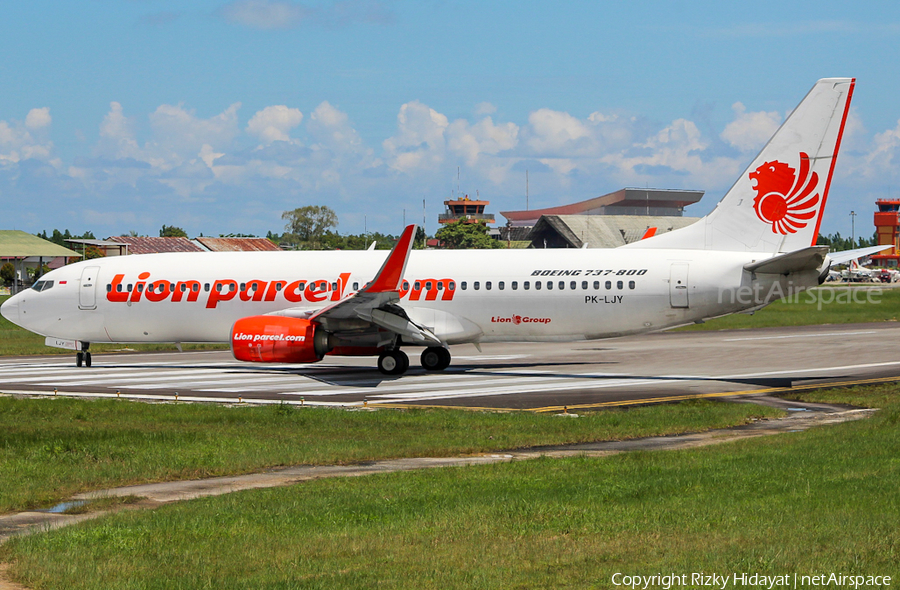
[[839, 243]]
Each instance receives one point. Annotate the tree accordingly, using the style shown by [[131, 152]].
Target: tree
[[309, 224], [462, 235], [839, 243], [7, 272], [170, 231]]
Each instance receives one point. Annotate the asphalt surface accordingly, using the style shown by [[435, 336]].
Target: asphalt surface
[[541, 377]]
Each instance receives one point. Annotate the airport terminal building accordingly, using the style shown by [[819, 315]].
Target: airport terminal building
[[608, 221]]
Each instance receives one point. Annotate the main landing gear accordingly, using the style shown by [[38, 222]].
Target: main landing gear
[[395, 361], [83, 356], [435, 358]]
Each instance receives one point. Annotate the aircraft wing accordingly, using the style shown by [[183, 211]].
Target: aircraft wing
[[375, 305]]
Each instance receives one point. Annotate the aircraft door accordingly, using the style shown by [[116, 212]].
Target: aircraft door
[[87, 291], [678, 284]]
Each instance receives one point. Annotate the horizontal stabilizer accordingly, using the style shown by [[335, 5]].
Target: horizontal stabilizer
[[848, 255], [811, 258]]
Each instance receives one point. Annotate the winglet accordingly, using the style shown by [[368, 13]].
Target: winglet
[[391, 273]]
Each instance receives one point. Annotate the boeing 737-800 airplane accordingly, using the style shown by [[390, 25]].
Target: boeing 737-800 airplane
[[296, 307]]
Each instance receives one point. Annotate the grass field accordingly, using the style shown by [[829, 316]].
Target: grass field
[[812, 502], [841, 304], [51, 448]]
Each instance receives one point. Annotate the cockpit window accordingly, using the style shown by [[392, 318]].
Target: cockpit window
[[42, 285]]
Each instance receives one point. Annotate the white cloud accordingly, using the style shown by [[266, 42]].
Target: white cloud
[[484, 137], [178, 134], [330, 127], [273, 123], [38, 118], [557, 133], [285, 14], [749, 132], [17, 142], [117, 137], [266, 14], [419, 142], [485, 108]]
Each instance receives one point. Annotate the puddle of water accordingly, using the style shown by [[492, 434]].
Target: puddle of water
[[798, 410], [60, 508]]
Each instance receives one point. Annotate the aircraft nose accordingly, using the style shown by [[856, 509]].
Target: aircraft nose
[[10, 309]]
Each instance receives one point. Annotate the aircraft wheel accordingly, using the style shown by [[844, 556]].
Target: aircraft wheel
[[393, 362], [87, 359], [79, 359], [435, 358]]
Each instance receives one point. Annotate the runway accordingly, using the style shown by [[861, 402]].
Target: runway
[[537, 377]]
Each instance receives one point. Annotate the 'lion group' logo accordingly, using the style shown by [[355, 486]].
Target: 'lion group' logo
[[783, 197]]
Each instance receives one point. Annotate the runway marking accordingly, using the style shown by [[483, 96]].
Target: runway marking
[[810, 336]]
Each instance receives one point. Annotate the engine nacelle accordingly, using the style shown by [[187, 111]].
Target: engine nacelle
[[272, 339]]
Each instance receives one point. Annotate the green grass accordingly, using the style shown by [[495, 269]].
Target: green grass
[[824, 305], [52, 448], [15, 341], [813, 502]]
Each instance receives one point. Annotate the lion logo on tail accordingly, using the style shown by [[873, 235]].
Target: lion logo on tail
[[783, 197]]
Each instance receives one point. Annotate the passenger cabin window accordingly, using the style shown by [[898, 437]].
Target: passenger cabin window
[[451, 286], [549, 285], [596, 285], [537, 285], [562, 285], [405, 286], [620, 285], [631, 284], [608, 285], [476, 285], [464, 285], [515, 285], [205, 287], [487, 285], [584, 285], [527, 285]]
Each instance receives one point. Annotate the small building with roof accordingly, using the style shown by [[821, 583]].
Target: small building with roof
[[28, 252], [237, 244], [149, 245]]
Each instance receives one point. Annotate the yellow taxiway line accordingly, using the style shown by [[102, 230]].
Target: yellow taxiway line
[[649, 400]]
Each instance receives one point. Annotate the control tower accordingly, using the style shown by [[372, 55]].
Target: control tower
[[887, 226]]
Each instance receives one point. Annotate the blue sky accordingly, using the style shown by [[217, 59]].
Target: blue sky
[[216, 116]]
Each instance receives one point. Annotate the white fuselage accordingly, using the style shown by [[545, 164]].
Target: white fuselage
[[461, 296]]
